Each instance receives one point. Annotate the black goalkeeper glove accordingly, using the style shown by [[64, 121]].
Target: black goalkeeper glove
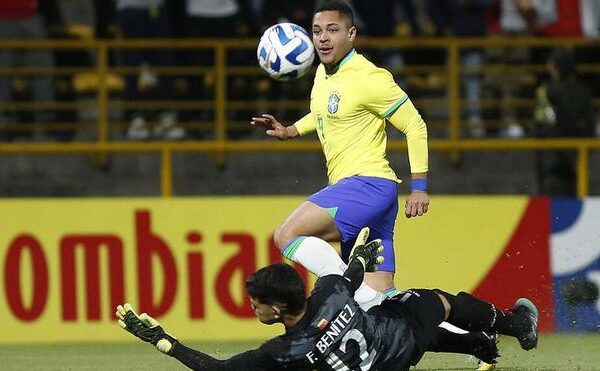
[[145, 328], [366, 253]]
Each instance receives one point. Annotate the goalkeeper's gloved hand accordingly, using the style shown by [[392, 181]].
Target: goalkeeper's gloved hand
[[366, 253], [145, 328]]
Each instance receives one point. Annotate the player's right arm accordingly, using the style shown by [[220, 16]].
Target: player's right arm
[[277, 130]]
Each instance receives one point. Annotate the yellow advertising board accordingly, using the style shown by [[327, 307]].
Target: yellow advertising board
[[66, 263]]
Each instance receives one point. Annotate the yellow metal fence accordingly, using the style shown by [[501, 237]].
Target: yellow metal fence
[[454, 144]]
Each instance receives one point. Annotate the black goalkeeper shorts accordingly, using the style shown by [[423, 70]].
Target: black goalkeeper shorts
[[424, 311]]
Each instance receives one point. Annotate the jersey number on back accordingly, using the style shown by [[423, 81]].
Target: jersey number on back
[[366, 357]]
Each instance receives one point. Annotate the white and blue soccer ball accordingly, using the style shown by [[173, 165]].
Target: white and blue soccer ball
[[285, 51]]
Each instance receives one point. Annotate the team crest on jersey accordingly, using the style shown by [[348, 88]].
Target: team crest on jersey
[[334, 102], [322, 324]]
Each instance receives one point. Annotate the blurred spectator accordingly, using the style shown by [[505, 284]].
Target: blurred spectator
[[590, 18], [378, 19], [78, 17], [590, 28], [465, 18], [21, 20], [516, 18], [567, 23], [70, 19], [564, 110], [216, 19], [147, 19], [212, 18], [105, 11], [274, 11]]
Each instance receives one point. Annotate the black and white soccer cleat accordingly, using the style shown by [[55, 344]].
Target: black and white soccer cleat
[[487, 351]]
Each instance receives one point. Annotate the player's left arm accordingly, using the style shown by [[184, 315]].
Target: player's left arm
[[385, 98], [408, 120]]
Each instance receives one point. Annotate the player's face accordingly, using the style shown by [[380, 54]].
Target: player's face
[[333, 36], [266, 313]]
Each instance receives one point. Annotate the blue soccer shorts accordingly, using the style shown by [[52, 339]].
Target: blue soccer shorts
[[361, 201]]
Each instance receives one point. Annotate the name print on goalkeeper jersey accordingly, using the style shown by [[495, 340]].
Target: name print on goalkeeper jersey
[[335, 334]]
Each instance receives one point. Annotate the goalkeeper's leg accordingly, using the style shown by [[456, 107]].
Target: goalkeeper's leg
[[478, 344], [473, 314]]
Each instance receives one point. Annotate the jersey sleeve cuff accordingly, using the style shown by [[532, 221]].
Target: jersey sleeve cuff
[[305, 125]]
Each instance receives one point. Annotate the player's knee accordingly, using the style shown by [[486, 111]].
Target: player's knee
[[283, 236]]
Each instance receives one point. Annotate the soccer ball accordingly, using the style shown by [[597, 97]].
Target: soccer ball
[[285, 51]]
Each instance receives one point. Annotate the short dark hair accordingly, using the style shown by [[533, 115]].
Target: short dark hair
[[278, 284], [336, 5]]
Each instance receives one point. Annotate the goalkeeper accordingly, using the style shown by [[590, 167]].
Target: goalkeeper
[[329, 331]]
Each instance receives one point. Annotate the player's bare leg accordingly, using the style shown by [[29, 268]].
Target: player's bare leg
[[380, 281], [304, 238], [307, 219]]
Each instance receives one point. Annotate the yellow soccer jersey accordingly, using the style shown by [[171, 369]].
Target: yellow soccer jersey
[[348, 110]]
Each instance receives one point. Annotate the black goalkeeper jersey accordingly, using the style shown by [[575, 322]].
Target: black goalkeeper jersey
[[334, 334]]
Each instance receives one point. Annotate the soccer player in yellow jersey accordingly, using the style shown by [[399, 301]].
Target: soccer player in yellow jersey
[[351, 101]]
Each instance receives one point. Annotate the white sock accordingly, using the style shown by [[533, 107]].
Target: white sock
[[320, 258], [368, 297], [314, 254]]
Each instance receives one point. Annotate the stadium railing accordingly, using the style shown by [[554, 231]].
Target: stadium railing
[[103, 143]]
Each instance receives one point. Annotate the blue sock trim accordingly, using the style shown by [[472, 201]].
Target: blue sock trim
[[289, 250]]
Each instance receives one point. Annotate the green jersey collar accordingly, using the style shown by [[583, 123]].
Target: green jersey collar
[[346, 58]]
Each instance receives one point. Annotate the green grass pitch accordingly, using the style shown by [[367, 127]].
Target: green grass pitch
[[555, 352]]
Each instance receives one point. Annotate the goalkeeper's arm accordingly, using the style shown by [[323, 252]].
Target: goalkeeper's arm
[[355, 273], [149, 330], [200, 361], [363, 258]]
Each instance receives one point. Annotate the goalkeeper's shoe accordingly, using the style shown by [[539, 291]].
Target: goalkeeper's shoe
[[487, 347], [483, 366], [145, 328], [526, 310]]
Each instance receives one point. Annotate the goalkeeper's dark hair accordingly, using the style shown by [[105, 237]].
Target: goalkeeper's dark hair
[[336, 5], [278, 284]]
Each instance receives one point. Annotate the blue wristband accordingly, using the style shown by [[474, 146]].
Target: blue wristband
[[419, 184]]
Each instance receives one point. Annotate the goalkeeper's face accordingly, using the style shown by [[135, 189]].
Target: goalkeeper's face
[[333, 36], [266, 313]]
